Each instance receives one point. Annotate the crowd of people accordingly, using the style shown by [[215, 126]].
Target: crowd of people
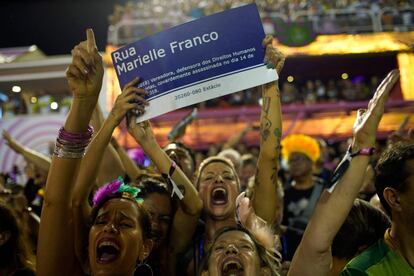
[[198, 8], [310, 92], [357, 89], [135, 20], [158, 15], [89, 209]]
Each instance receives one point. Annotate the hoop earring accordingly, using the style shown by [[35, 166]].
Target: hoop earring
[[144, 269]]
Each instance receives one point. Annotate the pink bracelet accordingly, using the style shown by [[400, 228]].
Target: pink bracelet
[[71, 144], [65, 135]]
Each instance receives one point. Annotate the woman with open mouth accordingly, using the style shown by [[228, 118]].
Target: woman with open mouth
[[236, 252], [167, 222], [119, 235], [218, 183], [250, 248]]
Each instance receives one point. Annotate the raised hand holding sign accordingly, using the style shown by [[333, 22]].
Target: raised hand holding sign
[[199, 60]]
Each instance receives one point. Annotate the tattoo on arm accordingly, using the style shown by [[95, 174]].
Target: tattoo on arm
[[277, 133], [266, 124], [275, 169]]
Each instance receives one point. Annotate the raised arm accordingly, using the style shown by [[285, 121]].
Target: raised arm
[[313, 256], [111, 166], [55, 251], [190, 206], [97, 118], [265, 189], [40, 160], [131, 98], [131, 168], [235, 139], [143, 134]]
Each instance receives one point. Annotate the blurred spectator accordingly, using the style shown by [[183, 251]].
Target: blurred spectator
[[289, 93], [320, 90], [249, 163], [348, 91], [332, 91], [323, 166], [303, 190], [234, 156], [318, 11], [359, 88], [15, 256]]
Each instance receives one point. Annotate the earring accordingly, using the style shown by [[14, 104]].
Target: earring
[[144, 269]]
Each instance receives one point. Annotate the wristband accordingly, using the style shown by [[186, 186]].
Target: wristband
[[364, 151], [344, 164], [170, 181]]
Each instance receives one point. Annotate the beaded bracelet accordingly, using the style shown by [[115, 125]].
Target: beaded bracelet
[[71, 144], [71, 136]]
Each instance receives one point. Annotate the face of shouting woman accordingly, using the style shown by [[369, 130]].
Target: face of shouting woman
[[116, 241], [218, 189], [234, 253], [160, 210]]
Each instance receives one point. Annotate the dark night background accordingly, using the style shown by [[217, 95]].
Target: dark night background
[[54, 26], [57, 26]]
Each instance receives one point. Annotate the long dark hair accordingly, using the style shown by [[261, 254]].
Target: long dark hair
[[14, 253]]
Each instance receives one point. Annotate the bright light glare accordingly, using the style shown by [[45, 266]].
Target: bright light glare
[[16, 89], [54, 105]]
